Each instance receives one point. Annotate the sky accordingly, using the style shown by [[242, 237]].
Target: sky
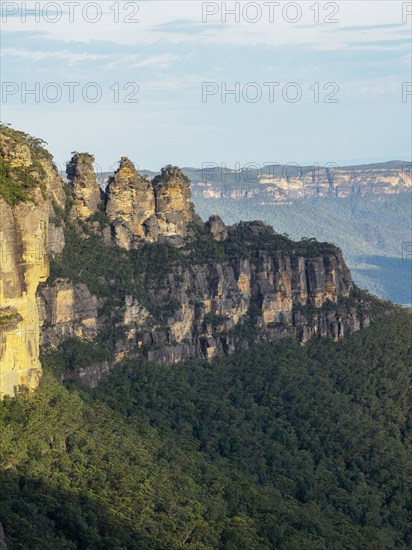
[[192, 82]]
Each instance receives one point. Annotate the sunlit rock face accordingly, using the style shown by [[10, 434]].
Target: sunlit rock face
[[66, 310], [173, 207], [281, 185], [142, 211], [83, 184], [28, 234], [130, 206]]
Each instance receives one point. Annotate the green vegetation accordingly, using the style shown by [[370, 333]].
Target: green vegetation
[[278, 447], [245, 239], [36, 145], [74, 353], [9, 319], [249, 240], [4, 319], [111, 272], [17, 182]]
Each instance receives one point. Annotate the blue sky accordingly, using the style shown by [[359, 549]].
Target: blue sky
[[169, 49]]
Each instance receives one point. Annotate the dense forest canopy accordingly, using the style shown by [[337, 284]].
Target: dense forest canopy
[[282, 446]]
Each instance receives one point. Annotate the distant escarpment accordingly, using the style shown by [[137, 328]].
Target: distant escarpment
[[282, 184], [132, 270], [279, 184]]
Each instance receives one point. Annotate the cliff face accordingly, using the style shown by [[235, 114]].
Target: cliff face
[[207, 308], [66, 310], [213, 299], [162, 285], [26, 231], [130, 206], [83, 184]]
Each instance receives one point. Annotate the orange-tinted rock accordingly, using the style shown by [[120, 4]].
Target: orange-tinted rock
[[83, 184], [130, 206], [173, 207]]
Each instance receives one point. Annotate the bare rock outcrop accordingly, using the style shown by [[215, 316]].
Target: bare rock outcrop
[[217, 228], [222, 288], [130, 207], [83, 184], [173, 207], [66, 310]]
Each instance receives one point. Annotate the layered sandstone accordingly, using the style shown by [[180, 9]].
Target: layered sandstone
[[83, 184], [141, 211], [66, 310], [130, 206], [25, 230], [219, 306], [173, 207]]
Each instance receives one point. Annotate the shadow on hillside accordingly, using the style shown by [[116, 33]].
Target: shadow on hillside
[[40, 518], [394, 275]]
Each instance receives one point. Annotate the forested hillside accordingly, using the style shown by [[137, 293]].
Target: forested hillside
[[282, 446]]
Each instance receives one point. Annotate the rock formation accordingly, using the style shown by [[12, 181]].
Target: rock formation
[[217, 228], [217, 290], [141, 211], [130, 206], [217, 306], [83, 183], [66, 310], [173, 207]]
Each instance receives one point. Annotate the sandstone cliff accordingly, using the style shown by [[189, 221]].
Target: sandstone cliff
[[202, 303], [27, 227], [138, 273], [140, 210]]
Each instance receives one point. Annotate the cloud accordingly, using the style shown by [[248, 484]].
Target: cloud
[[37, 55], [398, 44], [380, 89], [187, 26], [109, 61], [358, 28], [135, 61]]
